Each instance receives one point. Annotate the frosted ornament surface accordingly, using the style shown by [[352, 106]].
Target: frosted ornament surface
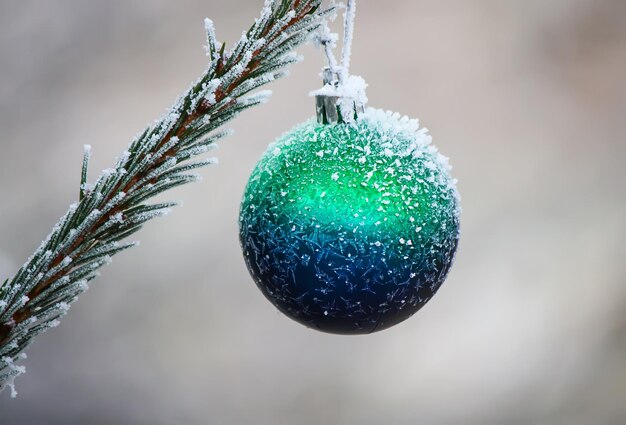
[[351, 229]]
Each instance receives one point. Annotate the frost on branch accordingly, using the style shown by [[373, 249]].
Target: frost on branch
[[158, 159]]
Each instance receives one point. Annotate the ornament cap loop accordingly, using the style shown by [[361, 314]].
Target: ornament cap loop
[[334, 104]]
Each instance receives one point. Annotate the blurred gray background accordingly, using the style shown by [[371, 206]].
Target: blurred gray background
[[527, 97]]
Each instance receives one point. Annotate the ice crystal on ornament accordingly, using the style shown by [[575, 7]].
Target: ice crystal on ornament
[[352, 88]]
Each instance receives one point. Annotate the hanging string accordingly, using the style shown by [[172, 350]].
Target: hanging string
[[327, 40], [343, 98], [348, 35], [328, 51]]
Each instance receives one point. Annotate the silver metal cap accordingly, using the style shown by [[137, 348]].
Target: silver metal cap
[[328, 109]]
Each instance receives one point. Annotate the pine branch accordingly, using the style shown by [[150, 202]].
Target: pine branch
[[114, 207]]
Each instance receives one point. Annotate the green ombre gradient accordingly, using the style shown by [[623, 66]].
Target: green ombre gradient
[[368, 178], [378, 191]]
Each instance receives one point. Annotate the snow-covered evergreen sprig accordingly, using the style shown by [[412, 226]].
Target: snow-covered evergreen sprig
[[157, 160]]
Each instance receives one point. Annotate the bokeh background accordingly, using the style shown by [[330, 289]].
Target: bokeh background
[[528, 98]]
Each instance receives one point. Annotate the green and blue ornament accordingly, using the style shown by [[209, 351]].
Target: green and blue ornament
[[350, 222]]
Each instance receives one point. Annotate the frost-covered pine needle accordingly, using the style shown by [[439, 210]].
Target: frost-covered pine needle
[[159, 159]]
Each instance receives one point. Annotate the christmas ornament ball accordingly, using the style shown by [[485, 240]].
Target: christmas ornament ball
[[351, 228]]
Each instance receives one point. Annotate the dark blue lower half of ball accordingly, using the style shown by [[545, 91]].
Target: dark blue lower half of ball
[[341, 283]]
